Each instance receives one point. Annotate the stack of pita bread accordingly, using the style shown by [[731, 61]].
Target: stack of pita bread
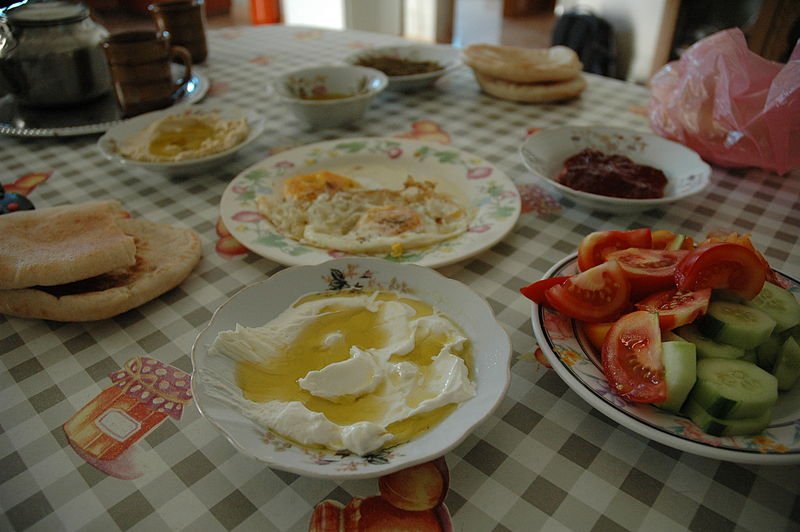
[[88, 261], [525, 74]]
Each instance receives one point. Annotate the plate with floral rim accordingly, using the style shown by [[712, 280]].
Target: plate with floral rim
[[489, 195], [578, 363], [259, 303]]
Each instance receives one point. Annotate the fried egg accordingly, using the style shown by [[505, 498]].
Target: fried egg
[[331, 211]]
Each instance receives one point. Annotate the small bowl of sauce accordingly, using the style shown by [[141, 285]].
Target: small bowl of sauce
[[614, 170], [330, 96]]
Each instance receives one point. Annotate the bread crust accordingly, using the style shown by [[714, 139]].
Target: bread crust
[[532, 92], [165, 256], [59, 245], [523, 65]]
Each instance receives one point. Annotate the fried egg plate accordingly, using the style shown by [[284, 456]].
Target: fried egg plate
[[331, 211]]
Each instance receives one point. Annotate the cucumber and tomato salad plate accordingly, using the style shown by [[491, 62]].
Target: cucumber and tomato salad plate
[[694, 345]]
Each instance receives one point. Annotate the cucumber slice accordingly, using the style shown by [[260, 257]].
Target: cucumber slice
[[734, 324], [733, 389], [778, 304], [680, 372], [750, 355], [669, 336], [676, 243], [726, 427], [706, 347], [768, 351], [787, 365]]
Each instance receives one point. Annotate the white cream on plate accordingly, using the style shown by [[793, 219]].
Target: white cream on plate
[[348, 370]]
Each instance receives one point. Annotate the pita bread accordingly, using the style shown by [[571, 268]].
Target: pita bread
[[523, 65], [165, 255], [532, 92], [59, 245]]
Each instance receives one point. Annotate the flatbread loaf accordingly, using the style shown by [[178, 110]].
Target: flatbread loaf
[[165, 255], [523, 65], [59, 245], [532, 92]]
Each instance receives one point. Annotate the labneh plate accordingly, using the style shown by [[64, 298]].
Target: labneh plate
[[257, 304]]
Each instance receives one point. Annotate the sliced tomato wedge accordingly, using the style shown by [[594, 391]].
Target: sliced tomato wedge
[[596, 333], [675, 308], [722, 265], [535, 291], [632, 358], [599, 294], [648, 270], [595, 247], [744, 240]]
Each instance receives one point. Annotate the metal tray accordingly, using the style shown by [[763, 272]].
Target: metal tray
[[94, 117]]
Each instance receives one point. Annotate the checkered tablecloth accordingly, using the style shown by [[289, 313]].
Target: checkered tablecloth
[[545, 459]]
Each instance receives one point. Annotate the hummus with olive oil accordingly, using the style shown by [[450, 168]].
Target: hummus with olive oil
[[184, 137]]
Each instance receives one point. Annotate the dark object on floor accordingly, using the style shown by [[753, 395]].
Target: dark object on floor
[[591, 37]]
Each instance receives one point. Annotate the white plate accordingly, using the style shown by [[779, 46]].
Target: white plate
[[109, 142], [86, 119], [447, 56], [259, 303], [544, 154], [578, 364], [472, 181]]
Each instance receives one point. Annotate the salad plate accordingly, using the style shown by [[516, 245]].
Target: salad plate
[[578, 363], [257, 304], [490, 197]]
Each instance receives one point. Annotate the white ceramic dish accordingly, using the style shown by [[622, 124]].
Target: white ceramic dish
[[474, 182], [544, 154], [259, 303], [300, 89], [578, 364], [108, 143], [447, 56]]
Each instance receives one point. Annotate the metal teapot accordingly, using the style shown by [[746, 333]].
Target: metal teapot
[[51, 55]]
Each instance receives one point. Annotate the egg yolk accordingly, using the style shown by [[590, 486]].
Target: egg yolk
[[309, 186]]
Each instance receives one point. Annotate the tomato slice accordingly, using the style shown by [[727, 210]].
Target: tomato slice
[[535, 291], [648, 270], [676, 308], [596, 333], [632, 358], [599, 294], [595, 247], [744, 240], [722, 265]]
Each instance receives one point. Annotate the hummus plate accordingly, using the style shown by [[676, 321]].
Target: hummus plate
[[110, 143]]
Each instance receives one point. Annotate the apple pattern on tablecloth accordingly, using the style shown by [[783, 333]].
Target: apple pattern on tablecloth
[[409, 499]]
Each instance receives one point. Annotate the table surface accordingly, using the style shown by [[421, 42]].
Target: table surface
[[543, 460]]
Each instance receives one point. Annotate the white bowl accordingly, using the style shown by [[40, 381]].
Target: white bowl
[[109, 143], [579, 365], [257, 304], [359, 83], [448, 57], [544, 154]]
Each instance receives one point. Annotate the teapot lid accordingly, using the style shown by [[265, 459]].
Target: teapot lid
[[47, 13]]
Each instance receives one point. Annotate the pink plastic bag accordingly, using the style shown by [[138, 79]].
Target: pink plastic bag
[[730, 105]]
